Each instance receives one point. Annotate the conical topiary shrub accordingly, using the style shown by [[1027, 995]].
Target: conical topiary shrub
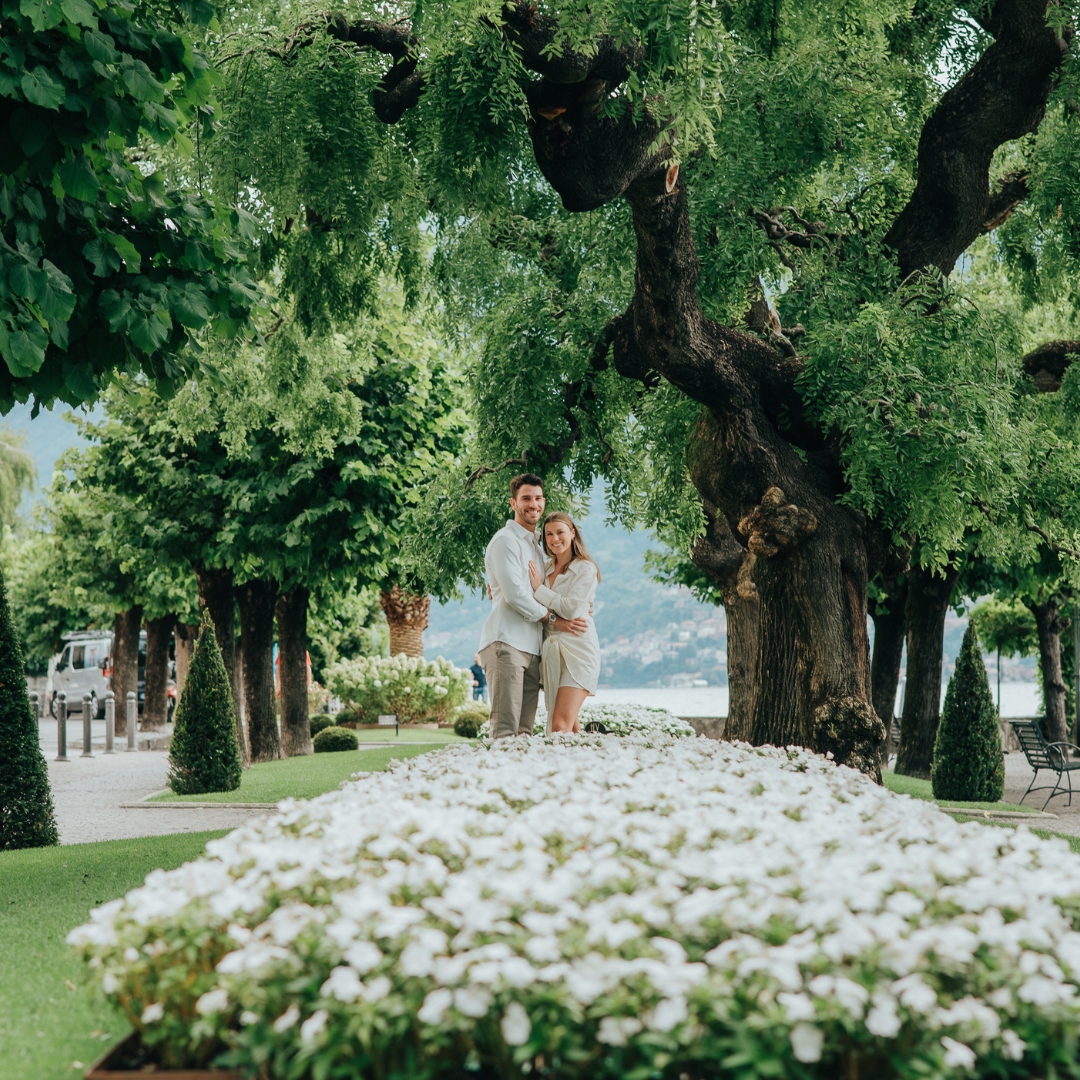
[[26, 808], [968, 759], [204, 755]]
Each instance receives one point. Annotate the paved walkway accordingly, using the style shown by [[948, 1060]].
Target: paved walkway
[[1017, 778], [88, 793]]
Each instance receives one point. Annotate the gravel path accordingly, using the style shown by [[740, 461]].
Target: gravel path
[[88, 793]]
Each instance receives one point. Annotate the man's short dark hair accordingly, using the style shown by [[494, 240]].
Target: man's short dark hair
[[526, 478]]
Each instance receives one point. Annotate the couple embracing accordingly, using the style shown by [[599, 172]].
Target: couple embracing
[[540, 631]]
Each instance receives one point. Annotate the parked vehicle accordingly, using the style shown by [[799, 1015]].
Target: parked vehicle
[[85, 667]]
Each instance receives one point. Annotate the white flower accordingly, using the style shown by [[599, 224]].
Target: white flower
[[287, 1019], [110, 983], [617, 1030], [515, 1025], [153, 1012], [806, 1043], [213, 1001], [313, 1026], [247, 1018], [883, 1020], [668, 1014], [1014, 1045], [957, 1054], [344, 984], [435, 1006], [472, 1001]]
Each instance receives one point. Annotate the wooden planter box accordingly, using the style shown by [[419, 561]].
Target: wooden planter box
[[126, 1061]]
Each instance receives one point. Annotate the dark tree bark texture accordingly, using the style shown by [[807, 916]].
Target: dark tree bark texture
[[125, 662], [216, 595], [256, 602], [1049, 623], [772, 481], [156, 679], [292, 608], [927, 605], [890, 622]]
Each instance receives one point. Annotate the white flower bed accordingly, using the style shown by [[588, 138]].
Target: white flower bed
[[620, 720], [600, 908]]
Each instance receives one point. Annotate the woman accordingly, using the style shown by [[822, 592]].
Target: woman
[[569, 664]]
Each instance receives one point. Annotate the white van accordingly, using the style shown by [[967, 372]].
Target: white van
[[85, 667]]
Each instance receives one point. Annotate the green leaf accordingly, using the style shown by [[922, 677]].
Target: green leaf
[[150, 330], [115, 308], [79, 11], [34, 204], [128, 252], [140, 81], [101, 47], [190, 308], [78, 179], [55, 295], [26, 280], [106, 260], [42, 88], [24, 351], [43, 14]]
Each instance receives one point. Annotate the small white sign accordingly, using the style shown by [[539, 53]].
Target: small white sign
[[388, 721]]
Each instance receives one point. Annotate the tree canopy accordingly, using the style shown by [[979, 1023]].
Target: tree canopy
[[105, 265]]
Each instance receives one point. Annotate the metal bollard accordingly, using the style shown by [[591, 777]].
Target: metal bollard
[[34, 705], [61, 727], [87, 728], [132, 719], [110, 722]]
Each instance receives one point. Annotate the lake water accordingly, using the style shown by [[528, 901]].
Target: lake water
[[1017, 699]]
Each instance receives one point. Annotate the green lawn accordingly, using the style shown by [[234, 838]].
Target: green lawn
[[920, 789], [303, 777], [48, 1018]]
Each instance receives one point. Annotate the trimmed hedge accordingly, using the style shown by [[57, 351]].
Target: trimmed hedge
[[969, 763], [320, 723], [204, 754], [333, 739], [467, 724], [26, 807]]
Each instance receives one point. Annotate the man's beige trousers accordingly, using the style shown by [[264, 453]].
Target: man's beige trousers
[[514, 679]]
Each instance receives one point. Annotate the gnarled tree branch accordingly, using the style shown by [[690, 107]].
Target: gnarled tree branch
[[1001, 98]]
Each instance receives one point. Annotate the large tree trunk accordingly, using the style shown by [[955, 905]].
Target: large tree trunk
[[407, 616], [185, 635], [256, 601], [125, 662], [927, 606], [156, 679], [773, 478], [720, 556], [890, 622], [1049, 623], [292, 608], [216, 596]]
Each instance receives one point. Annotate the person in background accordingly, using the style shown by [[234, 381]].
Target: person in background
[[479, 680]]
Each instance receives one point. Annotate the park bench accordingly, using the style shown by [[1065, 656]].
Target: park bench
[[1049, 757]]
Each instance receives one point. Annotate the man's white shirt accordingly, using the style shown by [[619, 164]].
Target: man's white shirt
[[516, 616]]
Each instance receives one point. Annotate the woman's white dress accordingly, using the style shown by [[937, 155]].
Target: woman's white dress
[[566, 659]]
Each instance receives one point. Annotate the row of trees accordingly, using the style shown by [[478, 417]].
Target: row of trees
[[210, 501]]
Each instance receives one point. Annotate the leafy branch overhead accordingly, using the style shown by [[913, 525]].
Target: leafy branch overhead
[[103, 265]]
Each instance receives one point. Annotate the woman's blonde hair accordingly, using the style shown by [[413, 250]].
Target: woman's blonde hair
[[577, 544]]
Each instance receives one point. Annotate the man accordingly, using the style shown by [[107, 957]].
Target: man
[[512, 636], [479, 680]]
